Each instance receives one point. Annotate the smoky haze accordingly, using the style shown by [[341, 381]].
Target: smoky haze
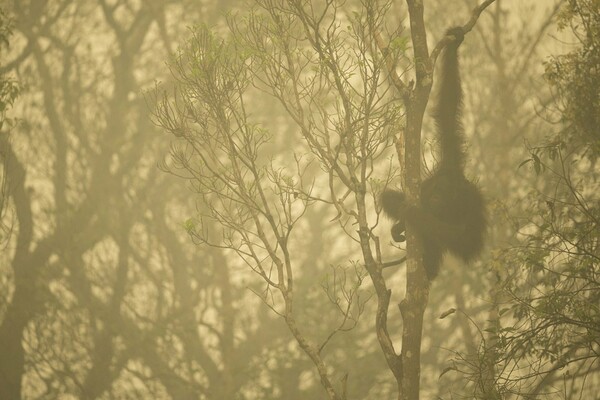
[[190, 200]]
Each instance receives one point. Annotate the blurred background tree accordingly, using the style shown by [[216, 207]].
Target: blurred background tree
[[9, 91], [104, 294]]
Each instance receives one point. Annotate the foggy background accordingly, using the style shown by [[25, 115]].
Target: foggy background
[[140, 260]]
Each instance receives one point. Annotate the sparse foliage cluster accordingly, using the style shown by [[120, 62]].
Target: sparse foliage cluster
[[546, 344]]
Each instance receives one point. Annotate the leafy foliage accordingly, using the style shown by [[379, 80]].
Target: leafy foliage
[[547, 343], [576, 76]]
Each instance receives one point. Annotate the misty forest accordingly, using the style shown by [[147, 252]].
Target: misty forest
[[299, 199]]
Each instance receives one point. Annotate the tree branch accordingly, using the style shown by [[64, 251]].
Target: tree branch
[[466, 28]]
